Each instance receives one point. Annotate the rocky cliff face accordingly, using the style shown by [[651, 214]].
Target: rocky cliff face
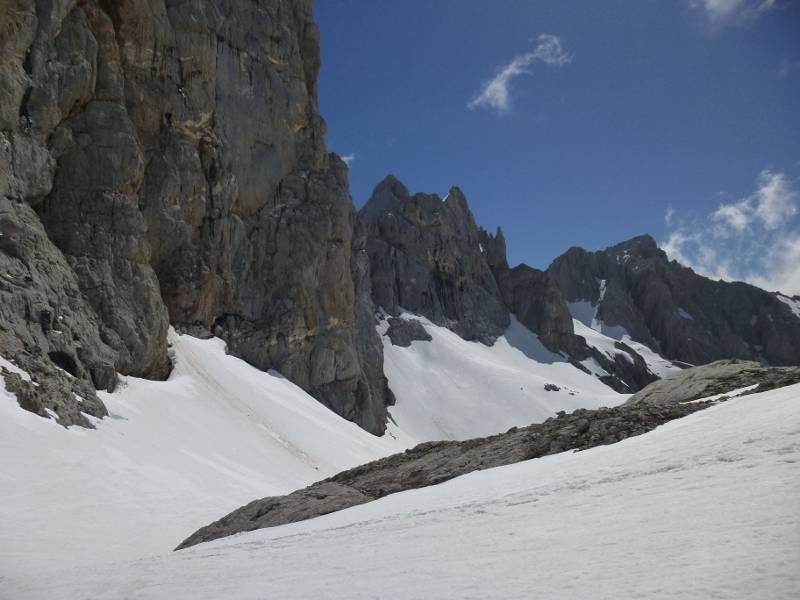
[[425, 257], [428, 256], [168, 159], [532, 296], [635, 288]]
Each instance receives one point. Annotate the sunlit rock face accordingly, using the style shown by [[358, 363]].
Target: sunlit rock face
[[173, 154]]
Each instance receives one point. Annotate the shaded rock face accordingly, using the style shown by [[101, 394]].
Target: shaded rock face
[[425, 257], [532, 296], [676, 312], [402, 332], [171, 156]]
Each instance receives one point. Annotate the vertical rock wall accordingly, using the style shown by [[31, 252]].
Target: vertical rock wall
[[174, 155]]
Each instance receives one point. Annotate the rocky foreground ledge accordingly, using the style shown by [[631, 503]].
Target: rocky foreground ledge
[[436, 462]]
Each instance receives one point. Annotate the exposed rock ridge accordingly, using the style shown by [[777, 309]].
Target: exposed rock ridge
[[436, 462], [719, 377], [168, 159]]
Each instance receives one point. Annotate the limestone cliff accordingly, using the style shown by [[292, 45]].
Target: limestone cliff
[[163, 162]]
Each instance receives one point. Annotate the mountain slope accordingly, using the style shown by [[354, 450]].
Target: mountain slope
[[171, 456], [428, 256], [452, 389], [633, 289], [673, 512]]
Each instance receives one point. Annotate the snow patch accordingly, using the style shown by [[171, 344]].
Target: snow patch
[[450, 388], [657, 364], [792, 303], [9, 366]]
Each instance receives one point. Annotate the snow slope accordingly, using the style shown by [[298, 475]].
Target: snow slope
[[172, 457], [792, 303], [603, 337], [703, 507], [450, 388]]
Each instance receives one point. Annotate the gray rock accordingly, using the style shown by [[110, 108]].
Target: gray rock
[[532, 296], [404, 331], [719, 377], [47, 327], [425, 257], [537, 302], [676, 312], [435, 462], [174, 154]]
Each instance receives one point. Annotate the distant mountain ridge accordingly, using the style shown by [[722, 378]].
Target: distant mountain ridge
[[633, 286], [163, 164], [428, 256]]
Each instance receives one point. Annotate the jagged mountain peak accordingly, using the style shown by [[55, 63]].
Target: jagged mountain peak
[[634, 288], [426, 257], [641, 246]]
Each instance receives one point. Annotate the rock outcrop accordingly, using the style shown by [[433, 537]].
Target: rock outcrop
[[402, 332], [719, 377], [532, 296], [436, 462], [425, 257], [633, 287], [170, 159]]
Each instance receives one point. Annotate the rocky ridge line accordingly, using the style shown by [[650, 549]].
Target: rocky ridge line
[[436, 462]]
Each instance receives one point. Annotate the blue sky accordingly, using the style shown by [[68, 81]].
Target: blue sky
[[582, 123]]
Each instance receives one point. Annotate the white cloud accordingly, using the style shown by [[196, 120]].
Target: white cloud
[[349, 158], [755, 239], [772, 204], [721, 13], [735, 216], [669, 215], [776, 201], [495, 92]]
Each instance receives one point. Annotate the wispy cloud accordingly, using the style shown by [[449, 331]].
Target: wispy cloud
[[754, 239], [349, 158], [669, 216], [722, 13], [495, 93]]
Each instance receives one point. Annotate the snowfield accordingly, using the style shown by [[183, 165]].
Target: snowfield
[[452, 389], [173, 456], [703, 507]]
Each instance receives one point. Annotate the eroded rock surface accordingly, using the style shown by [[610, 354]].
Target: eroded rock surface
[[435, 462], [402, 332], [673, 310], [173, 154], [425, 257], [719, 377]]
